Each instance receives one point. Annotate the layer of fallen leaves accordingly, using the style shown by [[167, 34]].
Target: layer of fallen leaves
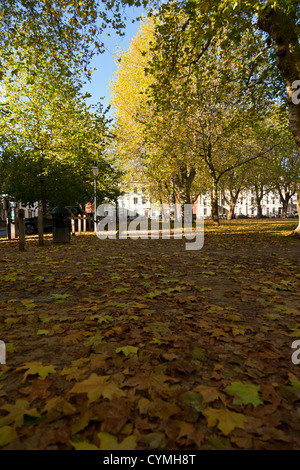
[[140, 344]]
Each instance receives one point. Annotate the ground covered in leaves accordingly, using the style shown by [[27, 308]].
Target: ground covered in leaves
[[140, 344]]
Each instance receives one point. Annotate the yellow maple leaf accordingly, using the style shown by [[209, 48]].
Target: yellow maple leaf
[[209, 394], [96, 386], [35, 368], [110, 442], [17, 412], [225, 420]]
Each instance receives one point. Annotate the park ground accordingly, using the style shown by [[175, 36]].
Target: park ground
[[141, 344]]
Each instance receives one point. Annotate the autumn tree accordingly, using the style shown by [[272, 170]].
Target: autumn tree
[[161, 161], [64, 33], [52, 138], [206, 117], [185, 43], [285, 172], [233, 183]]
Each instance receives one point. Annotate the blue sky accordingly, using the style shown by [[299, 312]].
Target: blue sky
[[105, 63]]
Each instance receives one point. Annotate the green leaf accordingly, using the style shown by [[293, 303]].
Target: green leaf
[[244, 393], [126, 350], [121, 290], [295, 383], [152, 295]]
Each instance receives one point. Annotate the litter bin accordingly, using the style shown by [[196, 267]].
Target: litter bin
[[61, 225]]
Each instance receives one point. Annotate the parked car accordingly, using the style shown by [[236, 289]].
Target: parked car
[[242, 216], [31, 224], [292, 214]]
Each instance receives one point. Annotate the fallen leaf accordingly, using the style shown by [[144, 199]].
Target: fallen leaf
[[110, 442], [244, 393], [17, 413], [7, 435], [224, 419], [36, 368], [96, 386]]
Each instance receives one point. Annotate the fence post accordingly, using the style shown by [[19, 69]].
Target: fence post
[[84, 223], [79, 224], [73, 224], [21, 220]]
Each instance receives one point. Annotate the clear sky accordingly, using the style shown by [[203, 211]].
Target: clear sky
[[105, 63]]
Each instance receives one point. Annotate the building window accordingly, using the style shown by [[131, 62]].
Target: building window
[[204, 202], [135, 190], [204, 211], [135, 200], [144, 200]]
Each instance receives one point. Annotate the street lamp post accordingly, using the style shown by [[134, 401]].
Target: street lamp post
[[95, 171]]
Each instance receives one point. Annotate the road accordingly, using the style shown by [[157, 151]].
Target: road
[[2, 232]]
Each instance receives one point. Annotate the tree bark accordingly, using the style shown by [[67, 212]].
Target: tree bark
[[184, 180], [282, 28], [230, 214], [285, 203], [215, 203], [43, 193], [259, 208]]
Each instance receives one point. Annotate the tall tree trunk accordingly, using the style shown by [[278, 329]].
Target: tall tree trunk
[[184, 180], [43, 193], [283, 31], [285, 203], [230, 214], [285, 197], [259, 208], [215, 203]]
